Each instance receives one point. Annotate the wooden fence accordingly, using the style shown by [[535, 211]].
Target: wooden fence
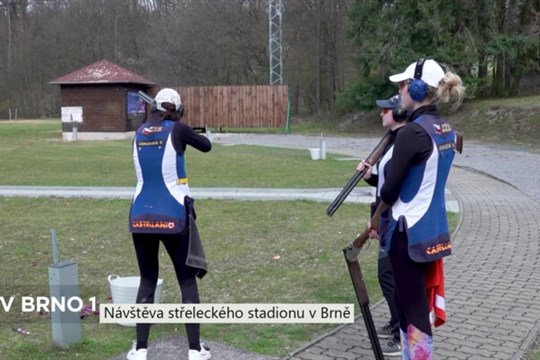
[[235, 106]]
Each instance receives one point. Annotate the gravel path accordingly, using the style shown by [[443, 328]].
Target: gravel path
[[516, 165]]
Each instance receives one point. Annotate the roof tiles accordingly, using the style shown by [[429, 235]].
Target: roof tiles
[[101, 72]]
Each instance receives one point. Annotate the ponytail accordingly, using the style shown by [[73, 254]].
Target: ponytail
[[450, 91], [170, 112]]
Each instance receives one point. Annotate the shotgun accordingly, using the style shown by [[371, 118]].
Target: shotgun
[[146, 98], [372, 159], [351, 252], [351, 258], [361, 292]]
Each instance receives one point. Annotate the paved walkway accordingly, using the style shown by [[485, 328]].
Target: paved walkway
[[492, 281], [492, 278]]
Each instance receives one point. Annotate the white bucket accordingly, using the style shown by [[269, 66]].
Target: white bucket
[[124, 290], [315, 153]]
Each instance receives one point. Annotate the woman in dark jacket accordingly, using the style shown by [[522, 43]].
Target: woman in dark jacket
[[393, 118]]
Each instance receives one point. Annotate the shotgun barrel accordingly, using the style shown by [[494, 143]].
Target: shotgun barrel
[[145, 97], [358, 175]]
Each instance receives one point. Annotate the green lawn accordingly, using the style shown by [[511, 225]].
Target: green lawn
[[534, 353], [34, 154], [242, 241]]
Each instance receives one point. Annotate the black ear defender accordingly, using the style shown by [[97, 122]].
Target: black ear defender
[[417, 87], [180, 110], [399, 113]]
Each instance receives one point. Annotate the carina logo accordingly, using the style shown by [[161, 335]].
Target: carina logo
[[152, 129]]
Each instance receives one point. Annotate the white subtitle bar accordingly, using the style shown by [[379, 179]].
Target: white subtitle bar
[[227, 313]]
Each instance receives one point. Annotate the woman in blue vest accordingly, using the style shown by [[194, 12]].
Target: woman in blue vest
[[417, 235], [162, 211]]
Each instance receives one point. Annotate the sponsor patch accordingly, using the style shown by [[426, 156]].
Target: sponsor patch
[[152, 224], [433, 250], [150, 143], [442, 128], [446, 146], [147, 131]]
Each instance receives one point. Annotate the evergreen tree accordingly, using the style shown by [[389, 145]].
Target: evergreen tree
[[489, 43]]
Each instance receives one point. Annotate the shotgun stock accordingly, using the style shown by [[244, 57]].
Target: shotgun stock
[[459, 142], [351, 252], [355, 179]]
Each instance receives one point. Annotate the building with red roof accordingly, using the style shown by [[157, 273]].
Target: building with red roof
[[101, 101]]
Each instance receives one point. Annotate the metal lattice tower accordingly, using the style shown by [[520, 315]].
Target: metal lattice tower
[[275, 47]]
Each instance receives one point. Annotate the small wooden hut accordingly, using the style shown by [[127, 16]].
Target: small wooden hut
[[101, 100]]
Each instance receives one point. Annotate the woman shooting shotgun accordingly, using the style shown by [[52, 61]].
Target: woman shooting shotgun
[[162, 211]]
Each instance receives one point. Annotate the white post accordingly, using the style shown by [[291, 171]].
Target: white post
[[73, 129], [72, 115], [323, 148], [64, 284]]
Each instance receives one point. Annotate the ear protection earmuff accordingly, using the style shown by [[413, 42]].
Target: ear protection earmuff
[[181, 110], [399, 113], [417, 87]]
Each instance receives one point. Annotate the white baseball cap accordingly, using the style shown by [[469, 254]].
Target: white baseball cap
[[168, 95], [432, 73]]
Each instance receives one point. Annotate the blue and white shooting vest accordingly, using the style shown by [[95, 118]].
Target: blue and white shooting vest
[[158, 204], [420, 209]]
